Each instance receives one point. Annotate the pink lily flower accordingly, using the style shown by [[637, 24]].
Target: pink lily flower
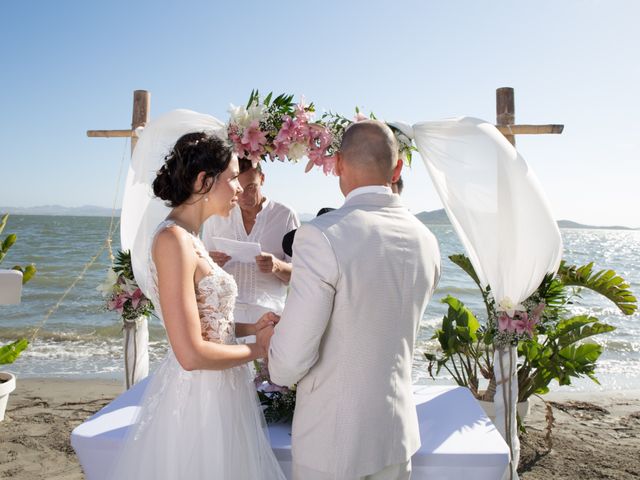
[[253, 138], [504, 323], [136, 298]]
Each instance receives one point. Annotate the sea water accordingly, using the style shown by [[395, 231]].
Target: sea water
[[79, 338]]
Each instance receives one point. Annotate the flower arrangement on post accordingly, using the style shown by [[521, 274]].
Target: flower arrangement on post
[[278, 402], [550, 340], [125, 297], [122, 292]]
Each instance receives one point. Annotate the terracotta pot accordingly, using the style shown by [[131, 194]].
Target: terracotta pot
[[7, 385]]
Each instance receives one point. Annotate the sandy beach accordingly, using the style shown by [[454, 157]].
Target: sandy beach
[[595, 436]]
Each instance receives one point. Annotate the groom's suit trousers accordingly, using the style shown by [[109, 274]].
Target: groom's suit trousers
[[401, 471]]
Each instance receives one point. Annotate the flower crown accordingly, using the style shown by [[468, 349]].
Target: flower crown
[[278, 128]]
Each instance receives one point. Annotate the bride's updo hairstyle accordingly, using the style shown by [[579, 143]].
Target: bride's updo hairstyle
[[193, 153]]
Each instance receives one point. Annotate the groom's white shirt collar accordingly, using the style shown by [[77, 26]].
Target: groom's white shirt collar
[[381, 189]]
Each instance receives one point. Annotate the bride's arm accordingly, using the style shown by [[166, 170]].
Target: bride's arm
[[245, 329], [175, 262]]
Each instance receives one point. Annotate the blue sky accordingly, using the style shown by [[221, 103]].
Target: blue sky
[[70, 66]]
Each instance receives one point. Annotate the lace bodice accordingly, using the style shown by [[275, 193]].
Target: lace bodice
[[216, 294]]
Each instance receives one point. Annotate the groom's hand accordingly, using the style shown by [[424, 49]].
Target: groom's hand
[[263, 338], [220, 258], [269, 319]]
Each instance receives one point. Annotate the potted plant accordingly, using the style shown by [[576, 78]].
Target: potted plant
[[10, 352], [553, 348]]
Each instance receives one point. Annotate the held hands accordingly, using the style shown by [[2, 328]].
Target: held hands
[[220, 258], [269, 319], [264, 331]]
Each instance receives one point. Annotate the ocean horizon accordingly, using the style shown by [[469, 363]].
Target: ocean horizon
[[83, 340]]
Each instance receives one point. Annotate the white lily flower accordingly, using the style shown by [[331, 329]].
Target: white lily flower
[[106, 287], [239, 115], [129, 286], [506, 305], [256, 112], [296, 151]]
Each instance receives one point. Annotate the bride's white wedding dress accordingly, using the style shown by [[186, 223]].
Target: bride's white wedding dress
[[201, 424]]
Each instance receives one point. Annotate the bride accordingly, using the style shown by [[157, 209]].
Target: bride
[[199, 417]]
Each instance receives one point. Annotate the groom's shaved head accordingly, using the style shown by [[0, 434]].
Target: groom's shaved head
[[370, 145]]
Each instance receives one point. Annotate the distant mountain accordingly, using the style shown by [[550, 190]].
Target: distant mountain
[[84, 211], [435, 217], [571, 224], [439, 217]]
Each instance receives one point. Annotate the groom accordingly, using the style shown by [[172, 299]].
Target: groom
[[362, 277]]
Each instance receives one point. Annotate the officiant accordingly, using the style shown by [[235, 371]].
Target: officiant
[[262, 285]]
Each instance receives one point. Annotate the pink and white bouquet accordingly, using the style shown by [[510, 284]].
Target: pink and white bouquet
[[122, 292], [516, 322], [280, 129], [278, 403]]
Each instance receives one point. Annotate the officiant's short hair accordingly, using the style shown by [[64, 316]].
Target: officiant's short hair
[[245, 165], [370, 143]]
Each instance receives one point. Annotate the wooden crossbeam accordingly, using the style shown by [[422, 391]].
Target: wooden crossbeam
[[529, 129], [506, 118], [111, 133], [139, 118]]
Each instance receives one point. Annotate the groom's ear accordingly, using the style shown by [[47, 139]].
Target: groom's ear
[[338, 166], [397, 171]]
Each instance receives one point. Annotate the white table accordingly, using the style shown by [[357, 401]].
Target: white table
[[458, 439]]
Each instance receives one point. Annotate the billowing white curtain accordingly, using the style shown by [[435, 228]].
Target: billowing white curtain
[[504, 221]]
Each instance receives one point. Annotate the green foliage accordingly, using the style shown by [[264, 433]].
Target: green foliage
[[560, 348], [559, 352], [27, 272], [461, 339], [11, 351], [605, 282], [122, 264]]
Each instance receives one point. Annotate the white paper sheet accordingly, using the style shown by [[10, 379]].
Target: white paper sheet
[[243, 252]]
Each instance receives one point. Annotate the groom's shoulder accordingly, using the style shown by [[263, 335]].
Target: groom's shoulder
[[328, 220]]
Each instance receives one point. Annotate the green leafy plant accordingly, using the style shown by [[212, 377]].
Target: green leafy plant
[[10, 352], [559, 347]]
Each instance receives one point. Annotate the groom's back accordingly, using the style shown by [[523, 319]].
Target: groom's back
[[389, 264]]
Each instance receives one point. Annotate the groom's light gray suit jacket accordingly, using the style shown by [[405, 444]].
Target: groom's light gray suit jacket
[[362, 277]]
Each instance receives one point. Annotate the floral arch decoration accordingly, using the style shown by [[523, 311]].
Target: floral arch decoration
[[279, 129]]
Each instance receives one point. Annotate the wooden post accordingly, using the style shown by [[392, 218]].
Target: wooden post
[[141, 110], [506, 111]]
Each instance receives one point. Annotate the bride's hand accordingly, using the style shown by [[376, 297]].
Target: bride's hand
[[266, 320]]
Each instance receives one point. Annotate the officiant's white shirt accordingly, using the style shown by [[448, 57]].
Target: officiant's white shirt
[[272, 222]]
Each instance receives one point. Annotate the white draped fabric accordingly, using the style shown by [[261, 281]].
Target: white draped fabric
[[142, 212], [504, 221]]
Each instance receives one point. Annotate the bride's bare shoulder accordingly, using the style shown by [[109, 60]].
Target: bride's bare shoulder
[[172, 241]]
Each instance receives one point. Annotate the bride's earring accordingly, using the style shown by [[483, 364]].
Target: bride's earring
[[206, 198]]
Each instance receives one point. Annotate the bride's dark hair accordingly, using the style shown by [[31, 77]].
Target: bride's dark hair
[[193, 153]]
